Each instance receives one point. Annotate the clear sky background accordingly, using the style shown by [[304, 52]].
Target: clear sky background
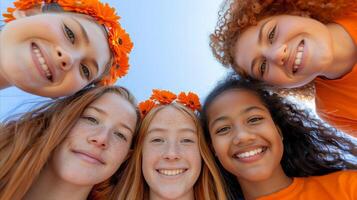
[[171, 49]]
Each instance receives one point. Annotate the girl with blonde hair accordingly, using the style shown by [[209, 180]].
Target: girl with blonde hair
[[171, 159], [70, 148]]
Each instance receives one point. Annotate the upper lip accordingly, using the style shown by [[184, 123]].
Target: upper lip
[[47, 60], [92, 155]]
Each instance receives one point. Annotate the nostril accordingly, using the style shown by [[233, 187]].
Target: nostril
[[63, 64], [59, 54]]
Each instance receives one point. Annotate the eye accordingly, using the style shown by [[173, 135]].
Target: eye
[[271, 35], [255, 120], [262, 67], [69, 34], [121, 136], [91, 119], [157, 140], [186, 140], [85, 70], [223, 130]]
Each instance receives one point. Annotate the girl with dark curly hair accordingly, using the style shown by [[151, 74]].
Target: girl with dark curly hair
[[268, 148], [295, 44]]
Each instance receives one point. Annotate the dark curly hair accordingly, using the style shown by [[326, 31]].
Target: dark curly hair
[[311, 147], [235, 16]]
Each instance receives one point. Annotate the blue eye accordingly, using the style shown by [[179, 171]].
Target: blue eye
[[271, 35], [69, 34], [86, 72], [121, 136]]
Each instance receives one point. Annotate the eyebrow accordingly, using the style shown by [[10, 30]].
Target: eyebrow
[[260, 39], [163, 130], [248, 109]]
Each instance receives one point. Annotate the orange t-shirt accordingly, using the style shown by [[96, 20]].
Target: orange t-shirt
[[336, 100], [341, 185]]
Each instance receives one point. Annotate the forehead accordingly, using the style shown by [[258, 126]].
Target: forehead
[[171, 118], [233, 100]]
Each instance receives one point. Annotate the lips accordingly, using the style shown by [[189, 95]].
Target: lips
[[41, 62], [89, 157], [250, 154], [298, 57]]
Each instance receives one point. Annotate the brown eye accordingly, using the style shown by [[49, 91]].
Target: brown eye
[[69, 34], [263, 67], [271, 35], [254, 120]]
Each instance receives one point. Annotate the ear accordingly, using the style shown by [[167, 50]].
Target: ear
[[28, 12], [280, 133]]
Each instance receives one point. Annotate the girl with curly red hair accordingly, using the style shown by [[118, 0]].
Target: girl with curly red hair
[[290, 44]]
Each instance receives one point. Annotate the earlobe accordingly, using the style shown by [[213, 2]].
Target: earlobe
[[28, 12]]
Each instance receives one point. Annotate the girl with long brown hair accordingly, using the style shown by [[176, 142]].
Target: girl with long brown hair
[[171, 159], [305, 48], [68, 148]]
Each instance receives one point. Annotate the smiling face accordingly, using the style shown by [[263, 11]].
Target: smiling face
[[98, 143], [171, 160], [244, 136], [285, 50], [61, 55]]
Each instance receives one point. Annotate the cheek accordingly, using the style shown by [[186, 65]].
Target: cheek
[[119, 153]]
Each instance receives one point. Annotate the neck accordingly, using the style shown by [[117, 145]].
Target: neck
[[345, 52], [55, 188], [186, 196], [254, 189], [3, 82]]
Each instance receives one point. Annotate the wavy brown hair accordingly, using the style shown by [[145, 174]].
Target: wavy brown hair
[[27, 142], [133, 186], [311, 147], [235, 16]]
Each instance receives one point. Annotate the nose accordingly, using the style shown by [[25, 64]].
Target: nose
[[277, 54], [171, 152], [64, 59], [242, 135], [99, 139]]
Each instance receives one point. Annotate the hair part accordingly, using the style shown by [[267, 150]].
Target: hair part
[[27, 143], [311, 147]]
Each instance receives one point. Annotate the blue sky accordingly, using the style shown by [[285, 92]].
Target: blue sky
[[171, 49]]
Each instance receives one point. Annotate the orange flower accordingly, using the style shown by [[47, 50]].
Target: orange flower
[[145, 107], [190, 100], [119, 41], [163, 96]]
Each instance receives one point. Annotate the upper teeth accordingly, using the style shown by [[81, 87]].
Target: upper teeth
[[298, 56], [171, 172], [42, 61], [250, 153]]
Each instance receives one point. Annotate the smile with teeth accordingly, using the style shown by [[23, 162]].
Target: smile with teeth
[[171, 172], [42, 61], [251, 153], [298, 56]]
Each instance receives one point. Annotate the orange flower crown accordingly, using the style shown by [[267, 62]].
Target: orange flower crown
[[164, 97], [119, 41]]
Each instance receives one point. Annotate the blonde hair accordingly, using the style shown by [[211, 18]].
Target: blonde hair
[[26, 143], [133, 187]]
